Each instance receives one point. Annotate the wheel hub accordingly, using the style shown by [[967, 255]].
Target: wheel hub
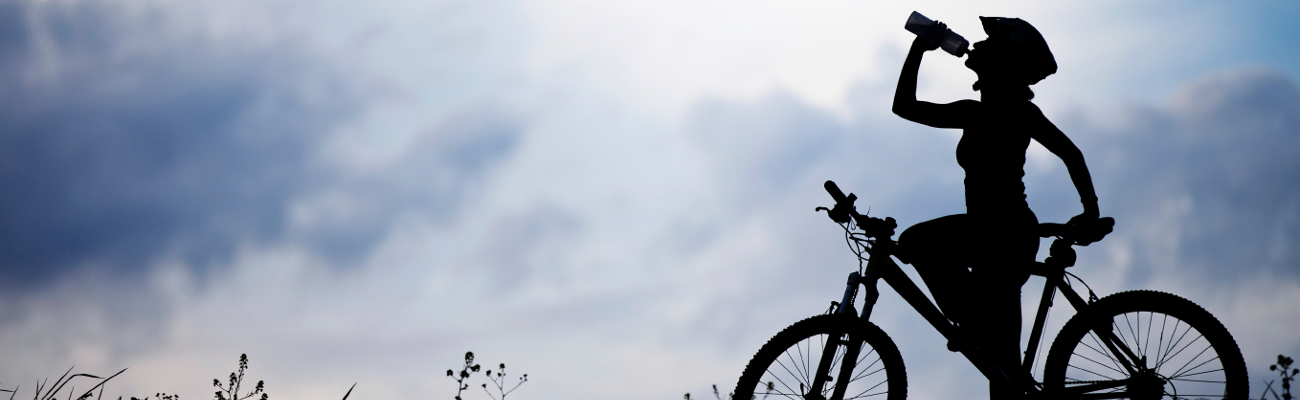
[[1146, 385]]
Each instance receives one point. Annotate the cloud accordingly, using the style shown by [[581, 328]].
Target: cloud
[[128, 139], [353, 210], [119, 146], [764, 147], [560, 227], [1204, 196], [1215, 173]]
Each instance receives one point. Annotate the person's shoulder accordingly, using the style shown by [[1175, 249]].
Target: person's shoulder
[[1031, 110], [968, 105]]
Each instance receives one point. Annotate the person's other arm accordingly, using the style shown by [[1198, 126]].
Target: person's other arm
[[1056, 142]]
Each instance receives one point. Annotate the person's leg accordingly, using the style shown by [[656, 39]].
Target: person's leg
[[999, 327], [999, 321], [936, 248]]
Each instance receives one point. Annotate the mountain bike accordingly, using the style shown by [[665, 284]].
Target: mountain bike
[[1141, 345]]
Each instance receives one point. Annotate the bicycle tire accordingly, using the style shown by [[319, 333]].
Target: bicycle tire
[[1184, 335], [792, 356]]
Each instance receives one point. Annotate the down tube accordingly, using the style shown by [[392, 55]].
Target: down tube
[[884, 267]]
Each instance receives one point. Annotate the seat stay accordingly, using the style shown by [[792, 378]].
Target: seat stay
[[1125, 356]]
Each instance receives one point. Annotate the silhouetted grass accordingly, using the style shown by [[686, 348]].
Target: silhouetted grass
[[47, 391]]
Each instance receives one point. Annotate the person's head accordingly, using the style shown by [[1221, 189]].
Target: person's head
[[1014, 55]]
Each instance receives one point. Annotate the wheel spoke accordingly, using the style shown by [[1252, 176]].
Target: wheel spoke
[[1124, 340], [1177, 348], [860, 395], [1087, 370], [1172, 342], [1200, 373], [1119, 367], [796, 373], [787, 386], [1171, 356], [1160, 345], [1147, 345], [789, 362], [1179, 372]]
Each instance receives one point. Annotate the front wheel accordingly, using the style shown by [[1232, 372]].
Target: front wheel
[[1146, 345], [785, 367]]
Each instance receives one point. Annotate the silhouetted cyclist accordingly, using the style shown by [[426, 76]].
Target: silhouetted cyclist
[[975, 285]]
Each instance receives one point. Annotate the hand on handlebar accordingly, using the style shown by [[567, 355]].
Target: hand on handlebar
[[1088, 228], [1088, 217]]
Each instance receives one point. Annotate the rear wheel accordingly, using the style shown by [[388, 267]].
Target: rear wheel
[[784, 367], [1182, 352]]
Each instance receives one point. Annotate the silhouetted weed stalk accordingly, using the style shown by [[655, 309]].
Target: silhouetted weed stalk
[[716, 394], [1283, 367], [498, 379], [231, 391]]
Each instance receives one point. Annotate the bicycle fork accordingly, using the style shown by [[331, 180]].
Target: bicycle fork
[[853, 344]]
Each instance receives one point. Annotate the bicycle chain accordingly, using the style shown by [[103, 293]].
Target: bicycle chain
[[1088, 382]]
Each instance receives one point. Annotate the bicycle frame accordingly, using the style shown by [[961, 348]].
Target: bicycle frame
[[882, 266]]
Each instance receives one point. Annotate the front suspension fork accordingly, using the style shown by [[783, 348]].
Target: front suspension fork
[[837, 339]]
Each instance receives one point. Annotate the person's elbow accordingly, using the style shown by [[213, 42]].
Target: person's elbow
[[1072, 157], [904, 110]]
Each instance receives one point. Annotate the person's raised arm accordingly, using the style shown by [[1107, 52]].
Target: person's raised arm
[[1056, 142], [907, 106]]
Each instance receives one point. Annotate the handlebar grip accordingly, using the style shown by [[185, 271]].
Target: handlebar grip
[[834, 191], [1049, 229]]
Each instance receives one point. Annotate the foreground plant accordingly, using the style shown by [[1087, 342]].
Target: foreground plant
[[498, 379], [1283, 367], [500, 382], [231, 390], [51, 392], [716, 394], [469, 369]]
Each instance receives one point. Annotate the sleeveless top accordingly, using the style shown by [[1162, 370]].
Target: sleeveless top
[[992, 152]]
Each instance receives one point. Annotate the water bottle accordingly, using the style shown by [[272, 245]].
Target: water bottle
[[929, 30]]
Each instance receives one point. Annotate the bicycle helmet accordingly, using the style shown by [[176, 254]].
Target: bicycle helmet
[[1035, 60]]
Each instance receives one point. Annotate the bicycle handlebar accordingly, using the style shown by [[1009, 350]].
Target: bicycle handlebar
[[836, 193], [844, 211]]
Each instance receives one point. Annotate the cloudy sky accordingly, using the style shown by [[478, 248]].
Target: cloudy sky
[[614, 197]]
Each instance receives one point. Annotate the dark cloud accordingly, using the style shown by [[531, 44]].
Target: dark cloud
[[118, 146], [1225, 154], [124, 140]]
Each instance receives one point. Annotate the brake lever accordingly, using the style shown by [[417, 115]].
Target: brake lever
[[836, 214]]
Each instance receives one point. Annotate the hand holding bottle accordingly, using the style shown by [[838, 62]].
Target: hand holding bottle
[[936, 34]]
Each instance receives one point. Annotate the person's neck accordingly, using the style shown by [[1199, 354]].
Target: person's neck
[[1004, 94]]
